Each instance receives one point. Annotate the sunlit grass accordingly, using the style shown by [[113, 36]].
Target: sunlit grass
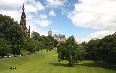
[[47, 63]]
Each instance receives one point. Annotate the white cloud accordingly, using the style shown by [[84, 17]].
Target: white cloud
[[43, 23], [34, 6], [52, 13], [39, 6], [30, 5], [55, 3], [41, 31], [40, 21], [37, 24], [14, 14], [29, 16], [30, 8], [96, 14], [95, 35], [43, 16], [55, 31], [10, 4]]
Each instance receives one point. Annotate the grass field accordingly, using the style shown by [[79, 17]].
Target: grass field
[[47, 63]]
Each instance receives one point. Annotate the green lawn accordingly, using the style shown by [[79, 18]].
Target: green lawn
[[47, 63]]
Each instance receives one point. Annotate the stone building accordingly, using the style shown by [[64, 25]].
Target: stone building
[[59, 38], [23, 22]]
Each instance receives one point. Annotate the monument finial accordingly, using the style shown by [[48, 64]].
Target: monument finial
[[23, 7]]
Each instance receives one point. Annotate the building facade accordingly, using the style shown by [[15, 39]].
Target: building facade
[[59, 38], [23, 22]]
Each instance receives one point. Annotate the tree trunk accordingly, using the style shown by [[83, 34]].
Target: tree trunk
[[70, 63]]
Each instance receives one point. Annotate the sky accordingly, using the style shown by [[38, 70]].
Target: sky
[[84, 19]]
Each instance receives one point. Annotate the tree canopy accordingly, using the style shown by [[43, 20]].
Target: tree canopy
[[102, 49], [15, 41], [11, 34], [69, 51]]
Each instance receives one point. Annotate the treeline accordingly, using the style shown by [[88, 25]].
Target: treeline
[[14, 41], [101, 49]]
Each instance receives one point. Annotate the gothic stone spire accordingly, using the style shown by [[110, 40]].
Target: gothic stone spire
[[23, 20], [23, 8]]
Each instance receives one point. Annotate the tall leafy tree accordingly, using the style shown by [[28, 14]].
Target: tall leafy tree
[[69, 51], [92, 49], [108, 49], [12, 33]]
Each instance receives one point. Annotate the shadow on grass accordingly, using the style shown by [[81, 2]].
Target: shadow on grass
[[96, 64], [61, 64]]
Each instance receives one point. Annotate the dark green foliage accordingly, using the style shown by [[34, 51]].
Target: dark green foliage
[[69, 51], [102, 49], [108, 49], [35, 35], [30, 45], [47, 42], [13, 39], [5, 47], [92, 49], [11, 34]]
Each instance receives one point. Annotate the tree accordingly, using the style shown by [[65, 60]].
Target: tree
[[108, 49], [35, 35], [5, 47], [12, 33], [47, 42], [102, 49], [50, 43], [69, 51], [92, 49], [16, 37]]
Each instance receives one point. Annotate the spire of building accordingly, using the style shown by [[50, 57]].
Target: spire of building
[[23, 19], [23, 22], [23, 7], [50, 32]]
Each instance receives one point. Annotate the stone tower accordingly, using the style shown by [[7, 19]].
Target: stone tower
[[23, 22], [50, 32]]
